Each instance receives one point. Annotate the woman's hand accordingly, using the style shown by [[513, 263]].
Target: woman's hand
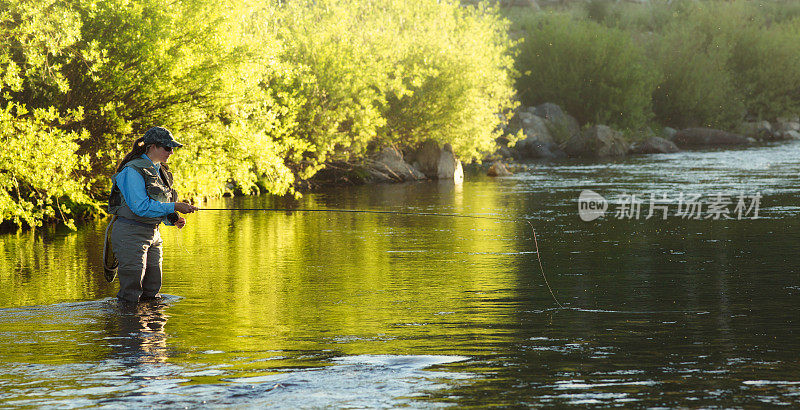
[[184, 208], [180, 223]]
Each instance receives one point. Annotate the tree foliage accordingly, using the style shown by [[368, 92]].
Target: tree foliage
[[598, 74], [262, 94], [714, 62]]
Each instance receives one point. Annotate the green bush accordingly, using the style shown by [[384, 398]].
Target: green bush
[[452, 83], [718, 60], [696, 88], [635, 18], [766, 64], [39, 168], [597, 74], [263, 94], [398, 73], [724, 60], [40, 171], [193, 67]]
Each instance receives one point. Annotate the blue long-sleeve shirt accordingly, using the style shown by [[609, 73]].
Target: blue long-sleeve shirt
[[131, 184]]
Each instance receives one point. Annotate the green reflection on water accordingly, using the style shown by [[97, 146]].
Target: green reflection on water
[[255, 285], [691, 308]]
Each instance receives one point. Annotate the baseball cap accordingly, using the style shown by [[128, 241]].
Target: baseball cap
[[160, 136]]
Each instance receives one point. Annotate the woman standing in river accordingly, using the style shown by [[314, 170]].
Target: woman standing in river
[[141, 199]]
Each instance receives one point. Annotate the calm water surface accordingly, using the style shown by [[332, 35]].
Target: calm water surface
[[358, 310]]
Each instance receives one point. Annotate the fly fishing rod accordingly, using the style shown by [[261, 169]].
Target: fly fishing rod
[[405, 213]]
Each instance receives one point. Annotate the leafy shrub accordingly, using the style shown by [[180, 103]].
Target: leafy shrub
[[766, 64], [696, 88], [39, 168], [263, 94], [398, 73], [193, 67], [725, 59], [637, 18], [595, 73]]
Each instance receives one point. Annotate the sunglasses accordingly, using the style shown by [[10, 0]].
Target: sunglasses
[[168, 149]]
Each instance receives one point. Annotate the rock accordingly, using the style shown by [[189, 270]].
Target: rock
[[597, 142], [783, 126], [536, 128], [525, 114], [757, 129], [792, 135], [707, 136], [389, 166], [437, 163], [449, 167], [537, 150], [426, 158], [498, 169], [562, 122], [669, 133], [654, 145], [537, 138], [530, 124]]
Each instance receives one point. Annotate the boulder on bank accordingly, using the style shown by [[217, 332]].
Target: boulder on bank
[[786, 128], [534, 127], [669, 133], [791, 135], [437, 163], [599, 141], [708, 137], [449, 167], [389, 165], [426, 158], [561, 121], [538, 141], [654, 145], [761, 130], [534, 149], [498, 169]]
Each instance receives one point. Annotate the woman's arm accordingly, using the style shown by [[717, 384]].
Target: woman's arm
[[131, 184]]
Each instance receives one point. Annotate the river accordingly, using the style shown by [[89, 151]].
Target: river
[[364, 310]]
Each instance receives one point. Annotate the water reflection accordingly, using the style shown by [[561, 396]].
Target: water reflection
[[138, 332], [377, 310]]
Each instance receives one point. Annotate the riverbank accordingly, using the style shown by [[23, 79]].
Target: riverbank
[[547, 132]]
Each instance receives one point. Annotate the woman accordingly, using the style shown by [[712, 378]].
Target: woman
[[141, 199]]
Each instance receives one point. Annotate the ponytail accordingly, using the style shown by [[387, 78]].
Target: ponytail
[[137, 150]]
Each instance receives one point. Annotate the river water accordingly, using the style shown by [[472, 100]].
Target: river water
[[364, 310]]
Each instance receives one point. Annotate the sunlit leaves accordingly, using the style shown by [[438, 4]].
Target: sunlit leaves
[[262, 94]]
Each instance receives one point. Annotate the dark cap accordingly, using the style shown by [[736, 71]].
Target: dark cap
[[160, 136]]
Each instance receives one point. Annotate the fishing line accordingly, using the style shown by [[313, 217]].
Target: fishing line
[[180, 242], [365, 211]]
